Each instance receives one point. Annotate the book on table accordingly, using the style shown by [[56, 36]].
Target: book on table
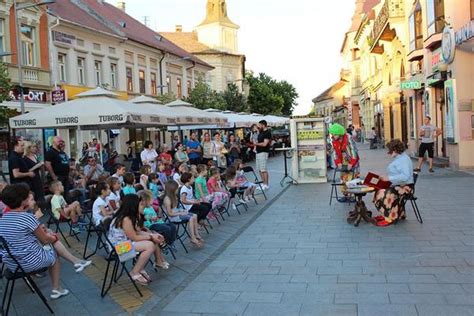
[[373, 180]]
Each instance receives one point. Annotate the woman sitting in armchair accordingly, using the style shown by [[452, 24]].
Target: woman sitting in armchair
[[389, 202]]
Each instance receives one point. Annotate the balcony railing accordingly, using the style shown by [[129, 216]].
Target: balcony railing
[[30, 75], [390, 9]]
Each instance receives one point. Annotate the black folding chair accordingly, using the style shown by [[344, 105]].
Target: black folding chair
[[181, 228], [52, 220], [335, 183], [99, 244], [257, 181], [19, 273], [412, 198], [113, 259]]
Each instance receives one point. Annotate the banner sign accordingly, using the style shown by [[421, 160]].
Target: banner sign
[[450, 95]]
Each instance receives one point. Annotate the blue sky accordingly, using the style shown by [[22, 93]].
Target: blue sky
[[298, 40]]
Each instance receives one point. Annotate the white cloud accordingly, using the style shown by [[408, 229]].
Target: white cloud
[[298, 41]]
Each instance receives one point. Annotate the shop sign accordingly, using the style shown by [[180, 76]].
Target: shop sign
[[410, 85], [63, 37], [29, 95], [349, 112], [58, 96], [465, 33], [436, 60], [448, 45]]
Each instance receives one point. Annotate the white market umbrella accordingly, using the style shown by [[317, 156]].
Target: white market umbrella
[[94, 109], [274, 120], [238, 120], [157, 108], [188, 112]]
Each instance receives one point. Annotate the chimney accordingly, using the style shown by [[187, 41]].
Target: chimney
[[179, 28], [121, 5]]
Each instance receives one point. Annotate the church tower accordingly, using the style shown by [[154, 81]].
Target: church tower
[[217, 31]]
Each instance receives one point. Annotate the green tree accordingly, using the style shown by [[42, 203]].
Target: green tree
[[234, 99], [289, 95], [5, 88], [262, 97], [166, 98], [203, 97]]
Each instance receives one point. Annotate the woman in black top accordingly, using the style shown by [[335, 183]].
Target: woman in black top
[[31, 160]]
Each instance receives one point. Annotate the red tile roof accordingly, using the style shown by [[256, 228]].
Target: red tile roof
[[136, 31], [68, 11], [104, 17]]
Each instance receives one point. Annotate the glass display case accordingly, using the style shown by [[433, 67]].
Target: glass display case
[[308, 138]]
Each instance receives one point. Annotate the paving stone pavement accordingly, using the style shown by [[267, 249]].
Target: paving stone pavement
[[296, 255], [300, 257]]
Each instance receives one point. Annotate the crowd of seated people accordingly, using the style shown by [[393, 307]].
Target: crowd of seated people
[[144, 207]]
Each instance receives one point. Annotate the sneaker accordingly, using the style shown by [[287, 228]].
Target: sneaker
[[82, 222], [242, 201], [234, 208], [266, 187], [431, 170], [247, 199], [80, 266], [417, 170], [55, 294], [76, 229]]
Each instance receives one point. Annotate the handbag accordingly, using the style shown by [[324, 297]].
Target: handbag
[[125, 250]]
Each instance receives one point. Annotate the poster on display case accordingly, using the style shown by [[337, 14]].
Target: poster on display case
[[308, 137]]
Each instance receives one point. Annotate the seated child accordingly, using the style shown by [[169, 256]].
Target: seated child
[[129, 181], [180, 215], [63, 211], [243, 182], [113, 199], [182, 168], [101, 209], [145, 171], [154, 222], [214, 188], [162, 175], [218, 199]]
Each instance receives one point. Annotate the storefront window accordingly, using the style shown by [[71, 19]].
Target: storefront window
[[435, 16], [141, 76], [28, 45], [411, 105]]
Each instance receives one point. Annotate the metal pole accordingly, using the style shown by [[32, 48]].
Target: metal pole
[[19, 56]]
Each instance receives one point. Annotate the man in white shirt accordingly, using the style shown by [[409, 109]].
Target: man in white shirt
[[149, 155], [428, 134]]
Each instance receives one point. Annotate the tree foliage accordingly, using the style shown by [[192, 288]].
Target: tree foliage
[[203, 97], [269, 96], [166, 98], [234, 99], [5, 87]]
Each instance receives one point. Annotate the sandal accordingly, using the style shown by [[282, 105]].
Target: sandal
[[140, 279], [146, 275], [163, 265], [196, 243]]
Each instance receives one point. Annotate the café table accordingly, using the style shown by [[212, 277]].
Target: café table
[[360, 211]]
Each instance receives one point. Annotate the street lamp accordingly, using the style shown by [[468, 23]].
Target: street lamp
[[18, 7]]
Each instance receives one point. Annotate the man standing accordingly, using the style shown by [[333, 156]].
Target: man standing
[[194, 150], [372, 137], [57, 162], [263, 148], [17, 167], [428, 134]]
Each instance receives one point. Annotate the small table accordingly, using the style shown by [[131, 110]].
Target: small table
[[285, 150], [360, 210]]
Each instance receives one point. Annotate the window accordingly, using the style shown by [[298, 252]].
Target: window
[[179, 87], [189, 87], [415, 28], [472, 9], [141, 76], [472, 125], [113, 75], [62, 67], [153, 83], [2, 36], [28, 45], [98, 72], [80, 71], [435, 16], [96, 46], [80, 42], [112, 50], [168, 84], [129, 72]]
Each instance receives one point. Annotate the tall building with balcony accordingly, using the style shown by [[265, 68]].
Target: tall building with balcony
[[34, 52], [441, 72]]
